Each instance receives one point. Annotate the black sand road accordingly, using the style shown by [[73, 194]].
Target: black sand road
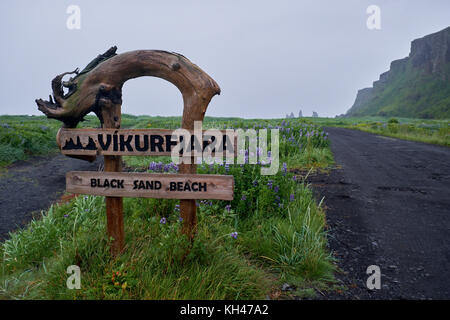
[[27, 187], [388, 205]]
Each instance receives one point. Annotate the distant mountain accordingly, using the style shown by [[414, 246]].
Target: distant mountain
[[417, 86]]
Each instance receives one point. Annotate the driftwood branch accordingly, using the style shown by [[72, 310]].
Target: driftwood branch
[[100, 84]]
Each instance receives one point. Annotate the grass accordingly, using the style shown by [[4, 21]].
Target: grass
[[421, 130], [439, 135], [152, 266], [280, 239]]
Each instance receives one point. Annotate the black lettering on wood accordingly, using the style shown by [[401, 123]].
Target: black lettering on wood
[[126, 143], [170, 143], [115, 143], [156, 141], [138, 144], [102, 144]]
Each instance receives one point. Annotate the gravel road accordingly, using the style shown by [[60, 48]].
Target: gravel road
[[27, 187], [388, 204]]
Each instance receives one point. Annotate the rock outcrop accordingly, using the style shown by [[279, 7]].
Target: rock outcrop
[[416, 86]]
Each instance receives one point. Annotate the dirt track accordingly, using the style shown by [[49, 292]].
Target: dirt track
[[388, 205], [26, 187]]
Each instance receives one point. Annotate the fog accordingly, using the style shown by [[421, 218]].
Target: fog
[[269, 57]]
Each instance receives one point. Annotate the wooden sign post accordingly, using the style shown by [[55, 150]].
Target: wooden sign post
[[111, 115], [98, 88]]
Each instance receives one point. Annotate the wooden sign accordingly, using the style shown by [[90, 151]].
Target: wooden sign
[[136, 142], [151, 185], [98, 88]]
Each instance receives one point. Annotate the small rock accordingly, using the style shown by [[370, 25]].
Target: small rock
[[286, 287], [393, 267]]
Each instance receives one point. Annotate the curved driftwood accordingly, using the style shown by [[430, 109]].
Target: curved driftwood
[[99, 85]]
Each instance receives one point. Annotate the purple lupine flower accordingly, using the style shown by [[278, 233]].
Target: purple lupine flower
[[276, 189], [177, 207], [243, 197], [163, 220], [291, 197], [180, 219], [228, 207], [294, 178], [227, 167], [234, 235], [284, 168], [66, 215], [269, 184], [255, 183]]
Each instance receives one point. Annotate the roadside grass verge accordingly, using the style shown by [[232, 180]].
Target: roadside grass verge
[[21, 138], [421, 130], [439, 136]]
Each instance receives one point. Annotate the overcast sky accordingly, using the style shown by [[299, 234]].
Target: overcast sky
[[268, 57]]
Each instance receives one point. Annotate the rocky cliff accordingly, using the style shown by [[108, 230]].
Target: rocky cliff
[[417, 86]]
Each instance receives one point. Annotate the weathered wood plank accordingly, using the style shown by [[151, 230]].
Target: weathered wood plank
[[137, 142], [151, 185], [111, 115]]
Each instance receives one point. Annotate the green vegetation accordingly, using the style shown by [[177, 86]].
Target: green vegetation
[[428, 131], [413, 93], [417, 86], [21, 136], [271, 233], [25, 136]]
